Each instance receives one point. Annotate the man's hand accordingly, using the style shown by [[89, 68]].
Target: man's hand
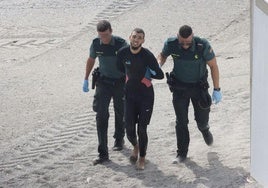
[[148, 73], [85, 86], [216, 96], [152, 72]]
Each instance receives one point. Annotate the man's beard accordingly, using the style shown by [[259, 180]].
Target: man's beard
[[135, 48]]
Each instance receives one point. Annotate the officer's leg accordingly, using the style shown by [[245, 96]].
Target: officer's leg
[[118, 100], [202, 119], [181, 104], [101, 103], [201, 115]]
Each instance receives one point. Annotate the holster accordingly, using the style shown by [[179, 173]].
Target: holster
[[171, 81], [205, 98], [174, 84], [95, 77]]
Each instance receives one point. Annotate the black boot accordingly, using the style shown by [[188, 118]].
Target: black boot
[[100, 160], [208, 137], [118, 144]]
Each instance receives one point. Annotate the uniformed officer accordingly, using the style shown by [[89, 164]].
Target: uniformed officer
[[110, 83], [188, 82]]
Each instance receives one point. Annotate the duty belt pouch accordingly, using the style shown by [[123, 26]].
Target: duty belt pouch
[[171, 81], [205, 98]]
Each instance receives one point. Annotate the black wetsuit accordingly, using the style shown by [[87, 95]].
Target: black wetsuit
[[139, 92]]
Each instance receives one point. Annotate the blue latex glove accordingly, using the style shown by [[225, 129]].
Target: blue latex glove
[[85, 86], [152, 72], [148, 73], [216, 96]]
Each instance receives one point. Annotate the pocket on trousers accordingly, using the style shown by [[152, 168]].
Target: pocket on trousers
[[204, 99]]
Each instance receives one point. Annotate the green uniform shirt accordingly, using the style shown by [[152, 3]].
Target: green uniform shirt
[[190, 64], [107, 56]]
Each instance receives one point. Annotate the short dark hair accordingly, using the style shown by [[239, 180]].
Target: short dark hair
[[185, 31], [103, 25], [139, 30]]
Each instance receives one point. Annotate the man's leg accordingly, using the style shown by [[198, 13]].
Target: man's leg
[[181, 104], [145, 114], [130, 123], [202, 119], [101, 103], [118, 100]]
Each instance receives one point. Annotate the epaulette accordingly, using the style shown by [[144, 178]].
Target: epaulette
[[199, 43], [199, 46]]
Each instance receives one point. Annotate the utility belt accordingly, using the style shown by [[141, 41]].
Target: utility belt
[[97, 77], [111, 81], [202, 84], [186, 85], [174, 84]]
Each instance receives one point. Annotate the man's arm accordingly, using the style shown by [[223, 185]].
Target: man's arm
[[89, 67], [161, 59], [214, 72], [156, 71]]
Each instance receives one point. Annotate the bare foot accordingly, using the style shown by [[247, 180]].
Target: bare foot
[[134, 155], [141, 163]]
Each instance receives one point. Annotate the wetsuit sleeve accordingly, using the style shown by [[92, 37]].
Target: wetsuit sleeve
[[153, 65]]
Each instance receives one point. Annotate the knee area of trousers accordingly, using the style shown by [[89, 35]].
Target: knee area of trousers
[[203, 127]]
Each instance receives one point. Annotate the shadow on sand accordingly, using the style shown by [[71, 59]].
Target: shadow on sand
[[216, 175]]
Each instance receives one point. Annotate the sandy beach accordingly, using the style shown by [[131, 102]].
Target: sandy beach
[[48, 135]]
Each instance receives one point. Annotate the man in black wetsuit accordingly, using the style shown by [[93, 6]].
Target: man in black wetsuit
[[139, 65]]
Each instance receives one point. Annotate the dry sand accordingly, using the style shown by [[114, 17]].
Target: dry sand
[[47, 126]]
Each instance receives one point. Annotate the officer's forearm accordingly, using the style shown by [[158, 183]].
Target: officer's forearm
[[161, 59], [215, 76], [89, 66]]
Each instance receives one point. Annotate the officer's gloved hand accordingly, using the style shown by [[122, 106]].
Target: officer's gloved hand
[[85, 86], [216, 96], [152, 72], [149, 72]]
